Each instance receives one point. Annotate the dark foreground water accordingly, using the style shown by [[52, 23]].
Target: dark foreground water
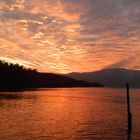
[[68, 114]]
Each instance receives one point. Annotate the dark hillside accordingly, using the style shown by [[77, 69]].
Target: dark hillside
[[13, 76]]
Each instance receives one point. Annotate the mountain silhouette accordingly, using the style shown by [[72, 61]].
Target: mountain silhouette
[[15, 77], [116, 77]]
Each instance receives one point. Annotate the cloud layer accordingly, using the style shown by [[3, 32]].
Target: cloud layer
[[76, 35]]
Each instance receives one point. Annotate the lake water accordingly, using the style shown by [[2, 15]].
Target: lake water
[[68, 114]]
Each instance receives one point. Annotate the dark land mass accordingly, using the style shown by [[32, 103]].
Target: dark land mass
[[117, 77], [14, 77]]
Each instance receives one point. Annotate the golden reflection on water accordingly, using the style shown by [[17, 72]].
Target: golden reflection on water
[[66, 113]]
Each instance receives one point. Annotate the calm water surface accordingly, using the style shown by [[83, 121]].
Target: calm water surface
[[68, 114]]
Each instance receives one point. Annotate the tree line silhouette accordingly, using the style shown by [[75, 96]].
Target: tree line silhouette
[[14, 76]]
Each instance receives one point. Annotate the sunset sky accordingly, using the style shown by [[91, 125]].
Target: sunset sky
[[62, 36]]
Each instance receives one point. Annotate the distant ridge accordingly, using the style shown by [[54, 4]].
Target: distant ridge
[[116, 77], [15, 77]]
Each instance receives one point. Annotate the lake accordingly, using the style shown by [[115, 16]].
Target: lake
[[68, 114]]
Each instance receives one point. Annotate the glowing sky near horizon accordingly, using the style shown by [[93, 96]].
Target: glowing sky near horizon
[[70, 35]]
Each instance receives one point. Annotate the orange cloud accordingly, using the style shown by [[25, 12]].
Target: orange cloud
[[64, 36]]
